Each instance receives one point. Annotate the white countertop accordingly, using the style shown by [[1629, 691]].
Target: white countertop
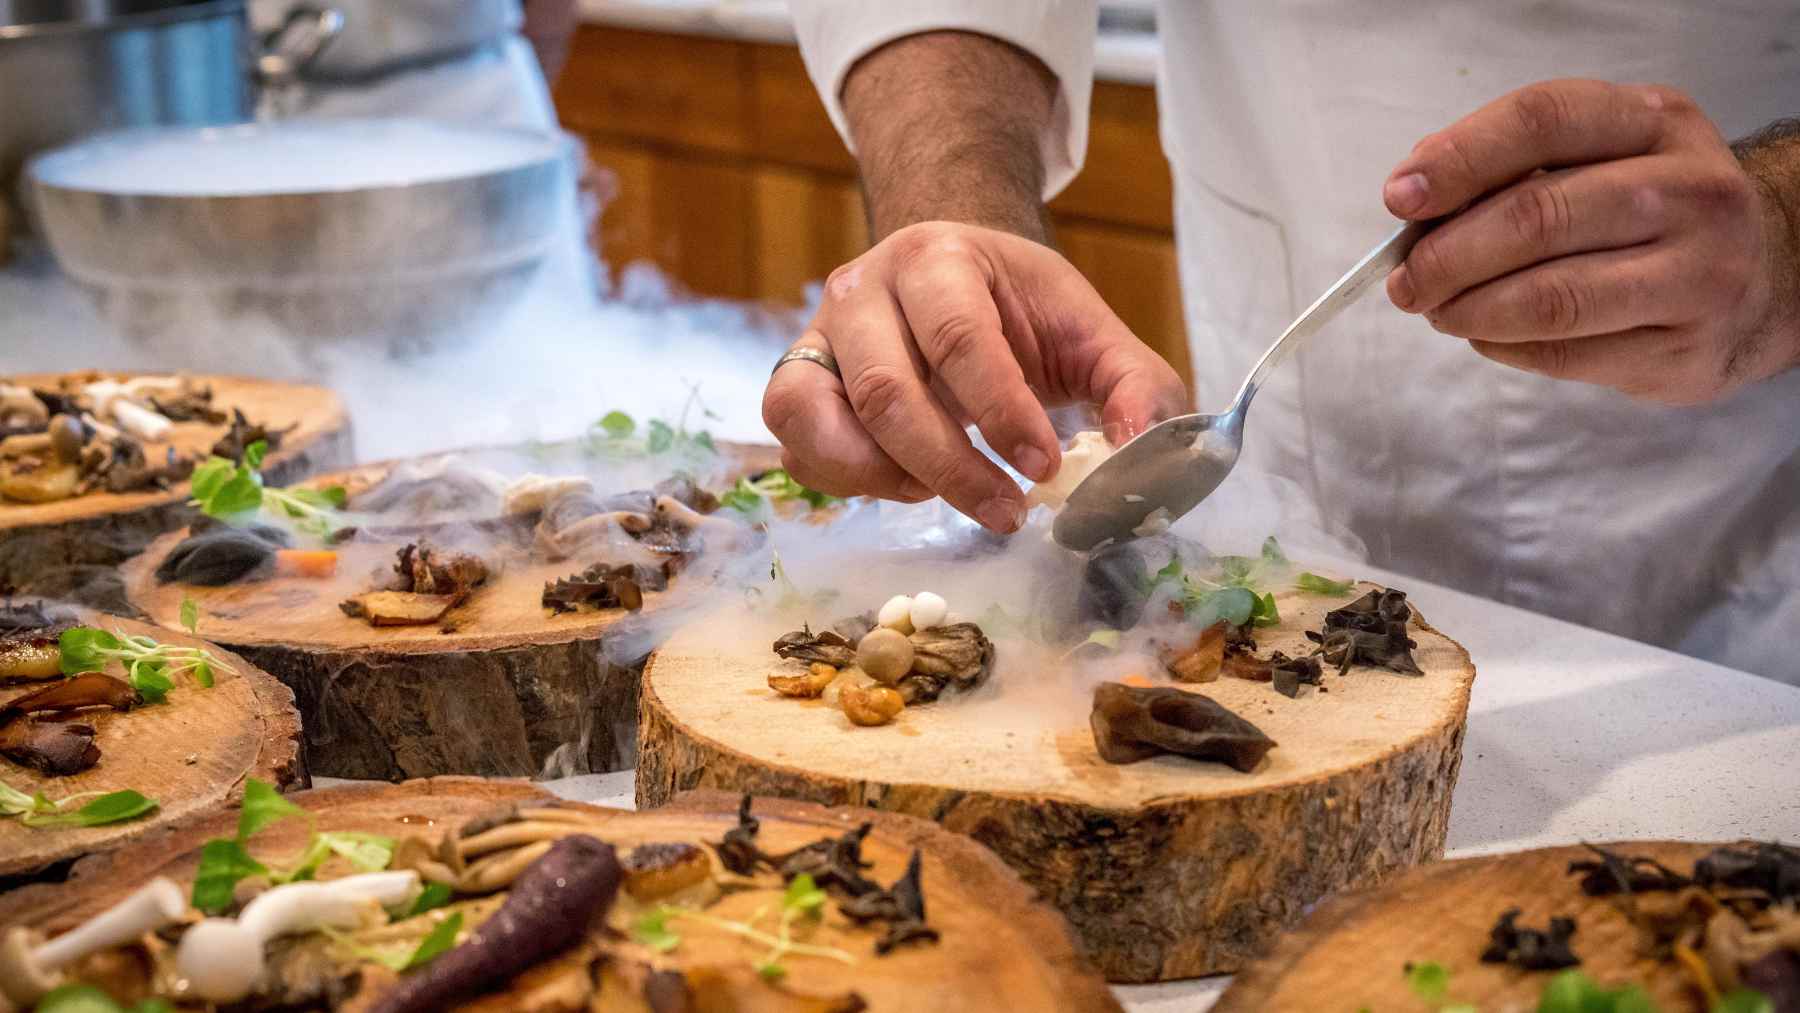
[[1124, 56], [1573, 735]]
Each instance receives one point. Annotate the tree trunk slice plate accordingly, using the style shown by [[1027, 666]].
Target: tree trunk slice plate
[[191, 753], [51, 548], [1351, 953], [1167, 868], [1002, 948], [397, 702]]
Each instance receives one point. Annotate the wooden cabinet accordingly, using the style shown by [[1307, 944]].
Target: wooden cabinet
[[720, 167]]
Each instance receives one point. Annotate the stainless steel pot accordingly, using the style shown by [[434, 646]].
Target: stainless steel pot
[[72, 67], [396, 231]]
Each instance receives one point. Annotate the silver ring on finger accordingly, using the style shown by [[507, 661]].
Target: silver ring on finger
[[816, 356]]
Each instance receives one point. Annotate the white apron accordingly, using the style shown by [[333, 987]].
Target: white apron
[[1281, 119]]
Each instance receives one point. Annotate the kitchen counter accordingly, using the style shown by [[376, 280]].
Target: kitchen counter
[[1574, 735], [1120, 54]]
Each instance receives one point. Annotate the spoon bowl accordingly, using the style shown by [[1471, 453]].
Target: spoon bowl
[[1156, 478]]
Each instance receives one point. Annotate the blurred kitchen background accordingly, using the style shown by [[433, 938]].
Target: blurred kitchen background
[[409, 183]]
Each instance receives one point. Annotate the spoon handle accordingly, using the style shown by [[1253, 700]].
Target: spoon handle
[[1373, 266]]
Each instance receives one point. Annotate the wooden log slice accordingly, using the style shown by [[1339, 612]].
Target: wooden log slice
[[511, 690], [1001, 947], [66, 549], [1352, 952], [190, 753], [1167, 868]]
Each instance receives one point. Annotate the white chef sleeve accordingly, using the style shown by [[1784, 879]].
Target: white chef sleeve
[[834, 34]]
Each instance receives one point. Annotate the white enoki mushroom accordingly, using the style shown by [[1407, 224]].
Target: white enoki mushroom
[[928, 610], [530, 492], [512, 835], [499, 870], [1089, 450], [28, 971], [222, 958], [139, 421]]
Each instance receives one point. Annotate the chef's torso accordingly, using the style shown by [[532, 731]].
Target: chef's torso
[[1281, 119]]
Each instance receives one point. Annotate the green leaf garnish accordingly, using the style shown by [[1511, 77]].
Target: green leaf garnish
[[1743, 1000], [1264, 612], [660, 438], [79, 998], [253, 454], [232, 491], [770, 971], [435, 895], [442, 938], [222, 863], [150, 666], [112, 807], [1204, 607], [1271, 552], [190, 614], [1312, 583], [652, 929], [1429, 981], [803, 895], [1572, 991], [617, 425], [262, 806], [1168, 574]]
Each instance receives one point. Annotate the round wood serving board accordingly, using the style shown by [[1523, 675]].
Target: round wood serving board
[[1167, 868], [1352, 952], [400, 702], [55, 549], [191, 753], [1001, 947]]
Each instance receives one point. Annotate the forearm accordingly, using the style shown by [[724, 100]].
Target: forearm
[[1771, 157], [947, 127]]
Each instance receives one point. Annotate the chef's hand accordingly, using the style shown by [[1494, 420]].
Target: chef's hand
[[941, 325], [1613, 238]]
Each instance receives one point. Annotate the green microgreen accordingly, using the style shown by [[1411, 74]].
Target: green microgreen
[[233, 492], [803, 900], [150, 666], [773, 486], [102, 808], [225, 861]]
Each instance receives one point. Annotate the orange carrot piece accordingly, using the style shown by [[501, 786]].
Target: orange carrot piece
[[305, 562]]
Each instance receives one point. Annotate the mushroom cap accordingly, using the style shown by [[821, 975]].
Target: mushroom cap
[[885, 654], [928, 610], [22, 981], [220, 959], [896, 614]]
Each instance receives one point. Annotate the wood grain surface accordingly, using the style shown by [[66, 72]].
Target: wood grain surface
[[1352, 952], [1002, 948], [1167, 868]]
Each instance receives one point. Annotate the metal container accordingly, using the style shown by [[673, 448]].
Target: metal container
[[399, 230], [72, 67]]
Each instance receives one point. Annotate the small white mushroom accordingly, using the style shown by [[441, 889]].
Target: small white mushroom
[[19, 404], [139, 421], [885, 654], [222, 958], [530, 492], [929, 610], [28, 971], [896, 614]]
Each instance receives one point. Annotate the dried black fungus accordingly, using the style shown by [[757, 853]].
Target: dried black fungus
[[1132, 724], [1289, 674], [547, 910], [58, 748], [828, 647], [1772, 868], [1530, 949], [902, 906], [1369, 631], [738, 852], [420, 569], [242, 433], [835, 863], [604, 586], [1612, 873], [220, 555], [34, 621]]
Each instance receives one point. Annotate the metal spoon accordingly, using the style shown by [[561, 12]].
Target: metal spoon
[[1174, 465]]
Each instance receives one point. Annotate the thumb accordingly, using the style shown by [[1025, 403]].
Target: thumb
[[1135, 389]]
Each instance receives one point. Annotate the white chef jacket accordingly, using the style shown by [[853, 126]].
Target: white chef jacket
[[1281, 120]]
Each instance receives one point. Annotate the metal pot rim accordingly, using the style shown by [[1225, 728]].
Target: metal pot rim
[[559, 148], [102, 16]]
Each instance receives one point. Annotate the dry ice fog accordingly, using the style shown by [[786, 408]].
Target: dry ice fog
[[575, 347]]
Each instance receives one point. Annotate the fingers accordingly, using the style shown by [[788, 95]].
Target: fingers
[[1135, 387], [1570, 297], [826, 447], [886, 388], [1542, 217], [1547, 125], [1669, 365], [954, 322]]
